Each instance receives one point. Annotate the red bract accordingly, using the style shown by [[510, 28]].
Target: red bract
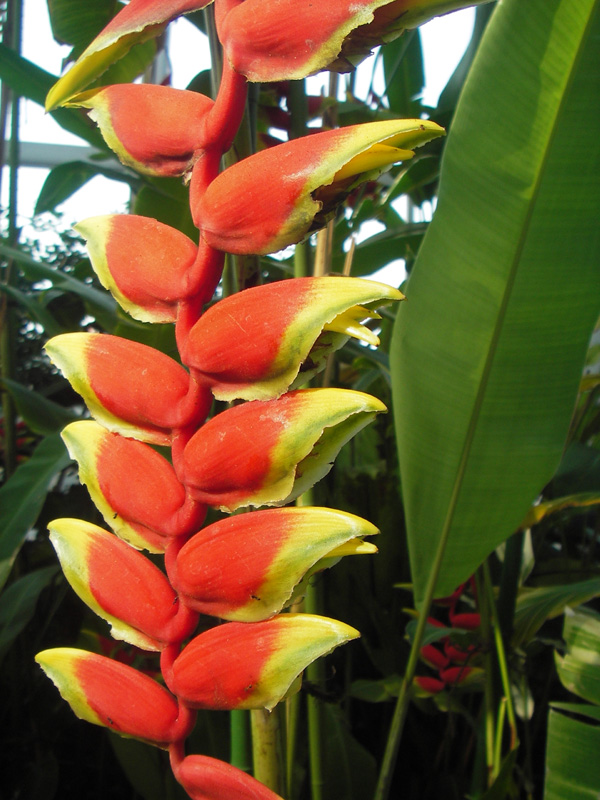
[[121, 585], [105, 692], [298, 323], [134, 487], [156, 130], [257, 453], [130, 388], [245, 567], [241, 665], [206, 778], [307, 179], [271, 41], [137, 22], [146, 265]]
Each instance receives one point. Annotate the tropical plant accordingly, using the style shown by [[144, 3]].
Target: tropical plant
[[208, 370]]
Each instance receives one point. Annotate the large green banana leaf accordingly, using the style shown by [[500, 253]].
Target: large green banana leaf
[[488, 349]]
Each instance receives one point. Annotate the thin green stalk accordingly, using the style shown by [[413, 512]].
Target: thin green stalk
[[501, 655], [302, 260], [292, 718], [241, 747], [7, 325], [509, 583], [489, 693], [266, 749], [499, 735], [298, 108], [397, 725], [315, 674]]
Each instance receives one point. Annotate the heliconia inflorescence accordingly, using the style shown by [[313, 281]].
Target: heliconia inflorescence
[[259, 346]]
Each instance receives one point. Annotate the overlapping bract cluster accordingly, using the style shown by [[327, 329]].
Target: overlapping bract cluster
[[258, 346]]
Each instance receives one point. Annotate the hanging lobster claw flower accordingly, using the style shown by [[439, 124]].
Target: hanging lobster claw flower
[[156, 130], [292, 39], [137, 22], [129, 387], [120, 585], [425, 686], [108, 693], [245, 567], [134, 487], [304, 180], [241, 665], [268, 452], [295, 321], [145, 264], [205, 778]]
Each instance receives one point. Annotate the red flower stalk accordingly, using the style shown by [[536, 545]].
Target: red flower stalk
[[134, 487], [129, 387], [253, 346]]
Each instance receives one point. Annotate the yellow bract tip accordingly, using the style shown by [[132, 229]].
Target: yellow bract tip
[[377, 157]]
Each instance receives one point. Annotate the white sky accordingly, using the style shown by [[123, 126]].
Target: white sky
[[444, 40]]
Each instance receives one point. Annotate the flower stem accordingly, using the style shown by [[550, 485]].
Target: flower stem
[[266, 750], [241, 750], [315, 674]]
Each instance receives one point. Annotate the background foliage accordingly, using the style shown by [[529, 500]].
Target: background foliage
[[488, 355]]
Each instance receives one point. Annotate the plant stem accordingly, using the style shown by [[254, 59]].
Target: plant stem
[[315, 674], [397, 725], [292, 716], [7, 323], [266, 750], [501, 654], [241, 749], [489, 694]]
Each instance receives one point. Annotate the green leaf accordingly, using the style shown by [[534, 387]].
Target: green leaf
[[167, 200], [65, 179], [77, 23], [404, 74], [34, 83], [349, 770], [571, 758], [143, 764], [581, 500], [401, 241], [488, 349], [18, 604], [23, 495], [36, 310], [40, 414], [36, 271], [579, 669], [504, 785], [535, 606]]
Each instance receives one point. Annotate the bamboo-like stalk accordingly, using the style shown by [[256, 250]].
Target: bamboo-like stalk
[[266, 749], [241, 747]]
